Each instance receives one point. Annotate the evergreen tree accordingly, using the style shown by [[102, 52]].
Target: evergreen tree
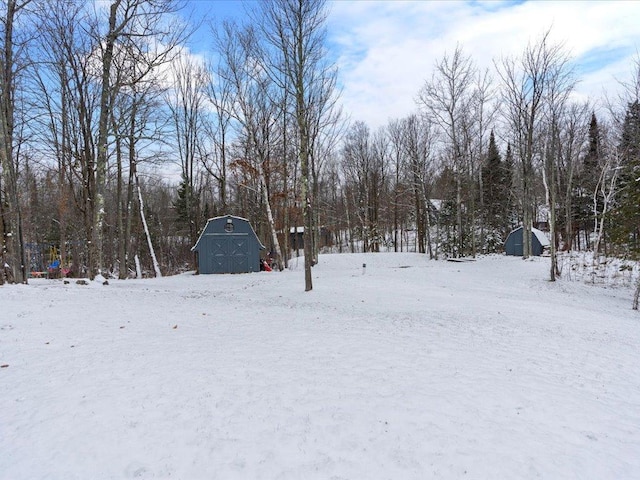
[[186, 208], [591, 162], [497, 177], [587, 180], [445, 189], [511, 216], [625, 229], [491, 186]]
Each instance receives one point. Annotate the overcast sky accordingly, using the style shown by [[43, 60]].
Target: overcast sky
[[386, 50]]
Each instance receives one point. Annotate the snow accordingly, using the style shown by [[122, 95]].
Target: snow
[[408, 369], [541, 236]]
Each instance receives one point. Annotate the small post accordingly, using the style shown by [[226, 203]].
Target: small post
[[364, 268]]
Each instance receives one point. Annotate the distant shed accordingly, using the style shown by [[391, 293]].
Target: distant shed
[[228, 244], [514, 242], [296, 238]]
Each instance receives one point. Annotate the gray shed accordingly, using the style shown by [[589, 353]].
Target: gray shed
[[513, 244], [228, 244]]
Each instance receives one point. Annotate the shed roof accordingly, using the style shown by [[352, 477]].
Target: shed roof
[[539, 234], [262, 247]]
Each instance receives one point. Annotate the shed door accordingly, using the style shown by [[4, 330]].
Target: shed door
[[230, 253], [513, 245]]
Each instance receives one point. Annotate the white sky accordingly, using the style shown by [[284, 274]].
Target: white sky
[[386, 49]]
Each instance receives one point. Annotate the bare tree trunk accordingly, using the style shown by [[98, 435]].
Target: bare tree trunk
[[448, 101], [459, 230], [272, 223], [427, 225], [285, 192], [12, 242], [156, 265], [549, 185], [3, 261], [297, 29], [124, 204], [552, 225], [106, 96], [120, 209], [131, 26], [607, 192], [524, 89], [307, 211]]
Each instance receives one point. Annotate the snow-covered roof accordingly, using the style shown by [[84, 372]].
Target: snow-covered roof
[[541, 236], [296, 230]]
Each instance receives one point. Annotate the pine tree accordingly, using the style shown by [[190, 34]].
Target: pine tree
[[587, 180], [625, 230], [497, 179], [491, 176], [186, 208], [511, 214]]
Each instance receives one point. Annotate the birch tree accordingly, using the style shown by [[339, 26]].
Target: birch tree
[[525, 82], [577, 180], [560, 83], [132, 25], [417, 142], [447, 100], [296, 30]]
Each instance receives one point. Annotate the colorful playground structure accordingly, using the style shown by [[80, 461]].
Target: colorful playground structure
[[45, 261]]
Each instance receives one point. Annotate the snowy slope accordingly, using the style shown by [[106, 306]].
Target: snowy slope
[[407, 369]]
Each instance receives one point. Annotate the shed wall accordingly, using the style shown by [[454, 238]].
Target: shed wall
[[514, 243], [228, 245]]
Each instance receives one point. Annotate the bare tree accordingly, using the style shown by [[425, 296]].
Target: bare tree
[[12, 253], [220, 92], [186, 100], [417, 142], [525, 82], [135, 128], [68, 97], [394, 131], [256, 109], [412, 152], [296, 31], [357, 164], [484, 108], [446, 99], [134, 26], [560, 83], [62, 93], [572, 181]]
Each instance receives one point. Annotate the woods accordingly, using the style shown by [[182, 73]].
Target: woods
[[117, 145]]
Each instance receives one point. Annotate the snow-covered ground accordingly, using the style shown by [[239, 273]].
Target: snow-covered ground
[[405, 369]]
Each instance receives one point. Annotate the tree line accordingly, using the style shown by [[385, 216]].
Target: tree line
[[117, 145]]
